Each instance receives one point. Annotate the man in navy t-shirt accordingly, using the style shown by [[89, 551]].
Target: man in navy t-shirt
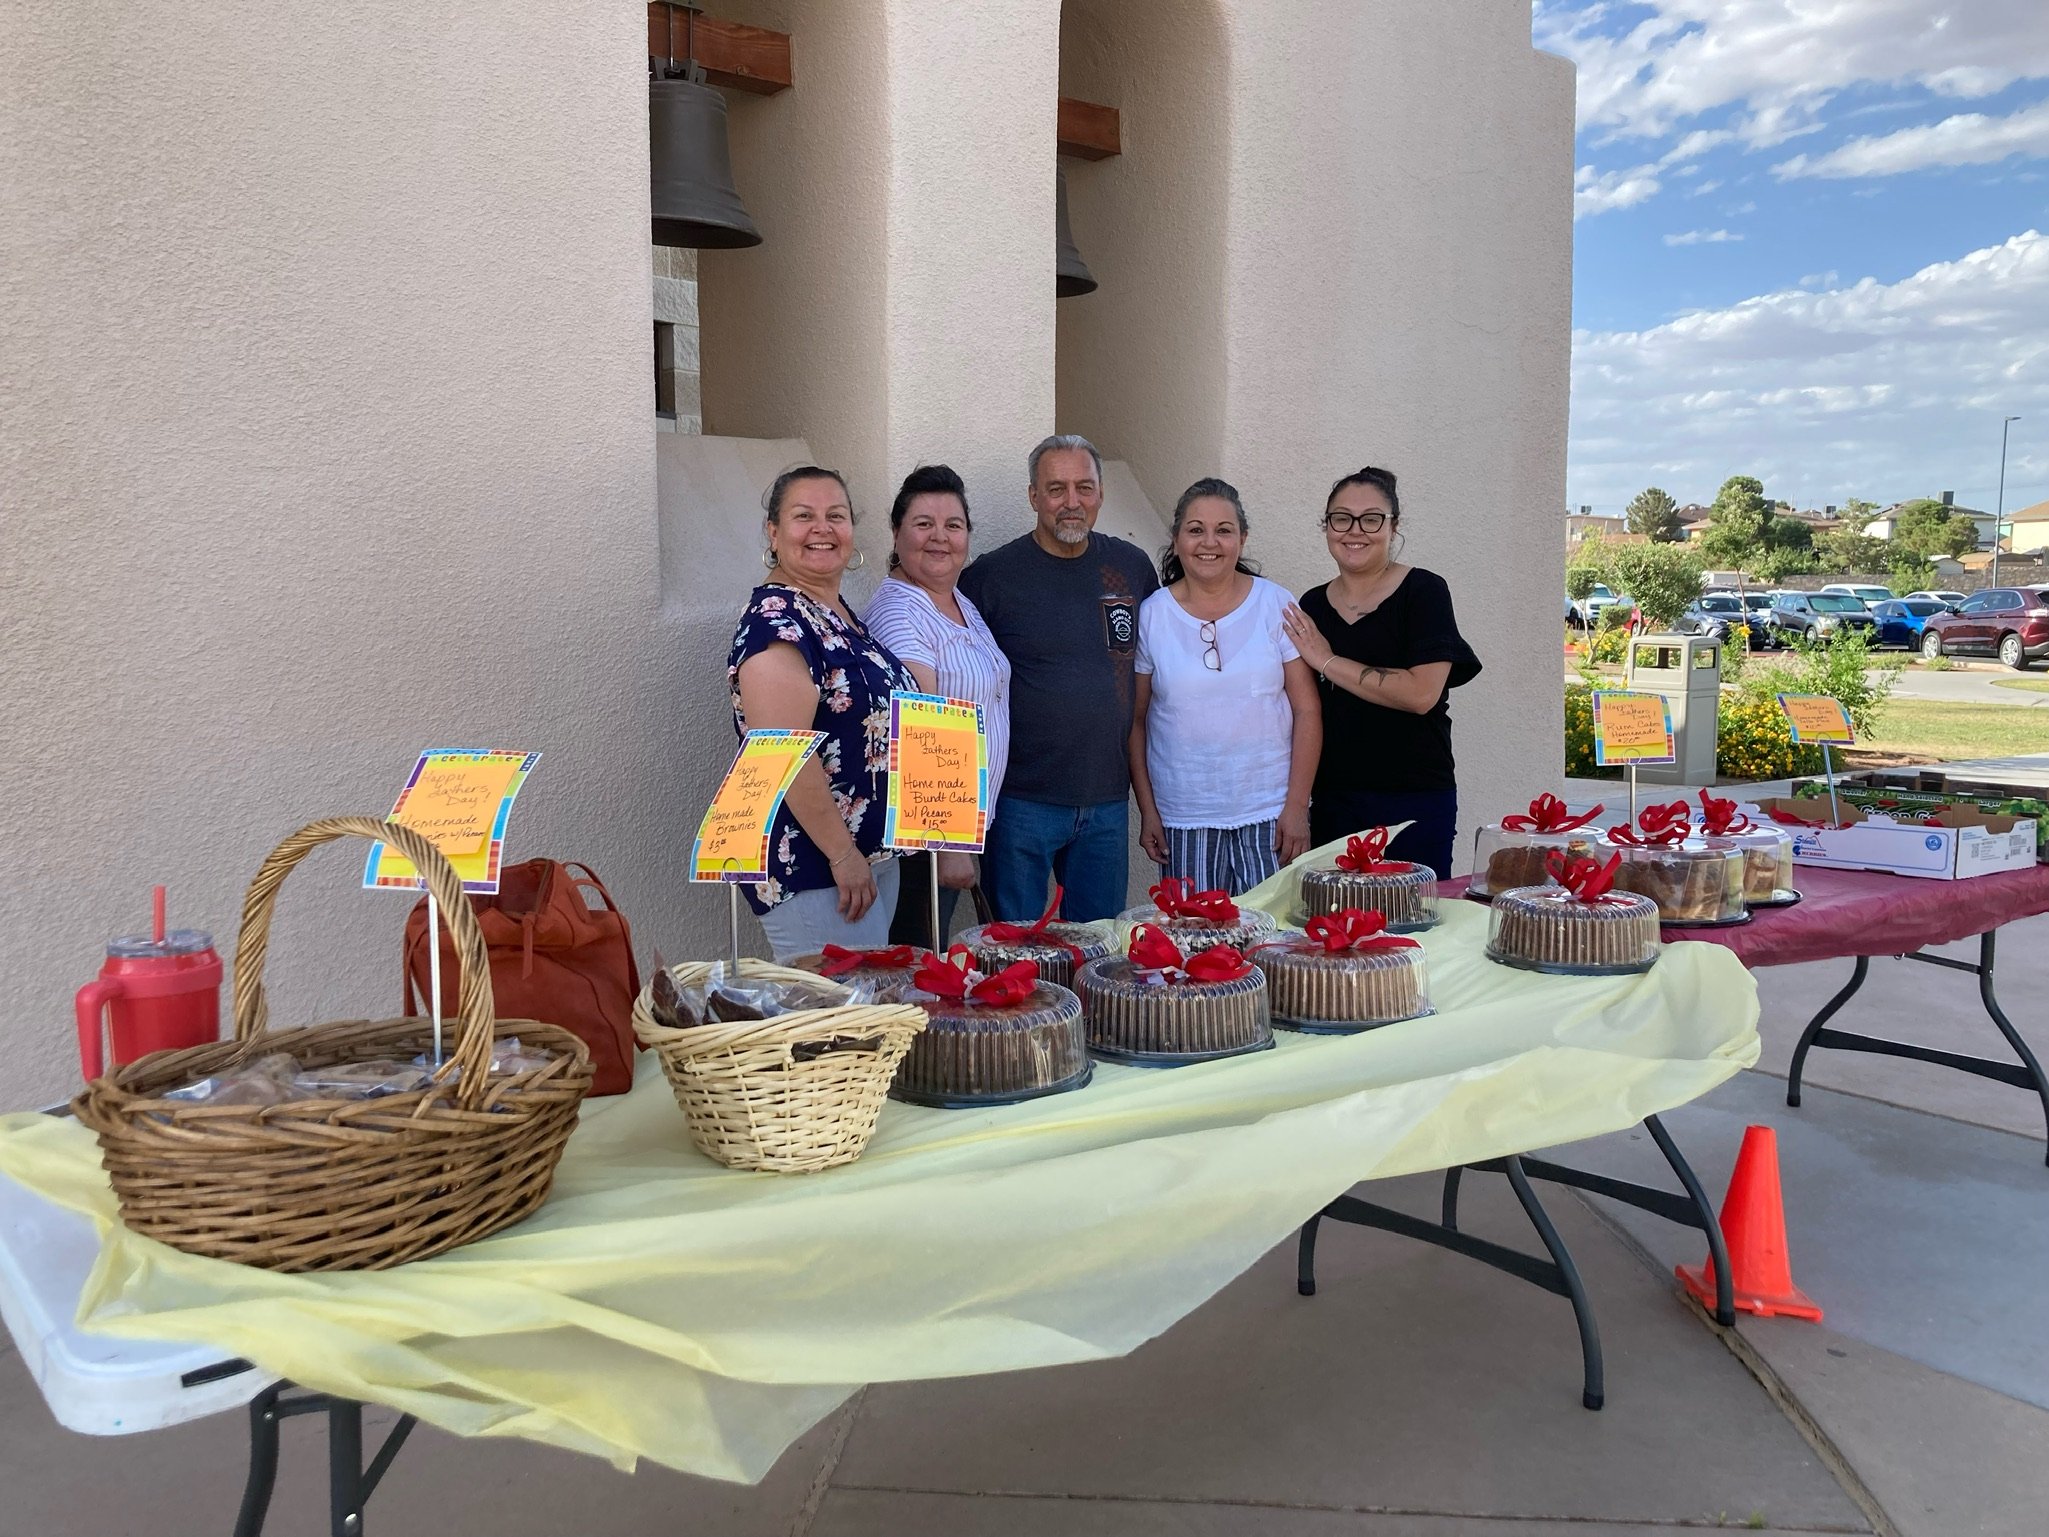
[[1062, 602]]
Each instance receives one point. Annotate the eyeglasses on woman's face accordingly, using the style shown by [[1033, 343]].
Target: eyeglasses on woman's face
[[1212, 658], [1341, 522]]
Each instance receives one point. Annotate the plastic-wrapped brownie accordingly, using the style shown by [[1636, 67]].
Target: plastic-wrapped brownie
[[1345, 973], [989, 1039], [1767, 850], [1365, 880], [1160, 1007], [1581, 927], [1512, 852], [1057, 950], [1195, 920]]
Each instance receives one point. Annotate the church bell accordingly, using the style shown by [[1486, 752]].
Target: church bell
[[1071, 274], [695, 203]]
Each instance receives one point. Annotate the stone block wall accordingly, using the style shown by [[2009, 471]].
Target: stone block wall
[[675, 340]]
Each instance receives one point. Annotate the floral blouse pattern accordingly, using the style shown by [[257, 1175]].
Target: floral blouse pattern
[[855, 675]]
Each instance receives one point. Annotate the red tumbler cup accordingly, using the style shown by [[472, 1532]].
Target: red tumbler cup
[[154, 994]]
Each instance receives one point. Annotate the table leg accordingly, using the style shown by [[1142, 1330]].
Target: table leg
[[349, 1483], [1558, 1275], [2024, 1074], [1828, 1010], [263, 1418]]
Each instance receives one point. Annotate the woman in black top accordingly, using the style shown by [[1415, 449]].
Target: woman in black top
[[1392, 655]]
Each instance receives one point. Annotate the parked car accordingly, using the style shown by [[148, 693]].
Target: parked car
[[1900, 620], [1953, 599], [1863, 594], [1818, 615], [1713, 614], [1586, 612], [2011, 623], [1758, 611]]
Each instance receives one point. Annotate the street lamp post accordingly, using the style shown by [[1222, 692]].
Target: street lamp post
[[1999, 512]]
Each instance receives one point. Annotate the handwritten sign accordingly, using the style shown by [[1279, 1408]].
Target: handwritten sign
[[732, 841], [1817, 718], [938, 774], [460, 798], [1632, 728]]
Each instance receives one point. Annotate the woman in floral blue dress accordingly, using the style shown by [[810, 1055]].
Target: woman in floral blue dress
[[802, 661]]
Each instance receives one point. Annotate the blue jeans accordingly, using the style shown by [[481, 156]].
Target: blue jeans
[[1032, 845], [1429, 841]]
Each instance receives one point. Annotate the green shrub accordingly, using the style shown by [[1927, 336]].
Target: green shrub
[[1615, 617], [1610, 643], [1754, 741], [1842, 668], [1579, 736]]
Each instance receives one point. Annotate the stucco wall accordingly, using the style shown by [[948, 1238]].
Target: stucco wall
[[325, 436], [1398, 293]]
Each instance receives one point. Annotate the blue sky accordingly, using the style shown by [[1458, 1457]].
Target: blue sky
[[1811, 245]]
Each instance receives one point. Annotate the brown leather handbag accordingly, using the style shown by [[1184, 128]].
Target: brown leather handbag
[[554, 958]]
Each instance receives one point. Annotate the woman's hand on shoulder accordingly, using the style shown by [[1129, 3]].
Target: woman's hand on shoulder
[[1305, 637]]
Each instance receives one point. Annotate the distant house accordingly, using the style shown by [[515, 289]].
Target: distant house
[[1882, 526], [1695, 527], [1582, 526], [2029, 529]]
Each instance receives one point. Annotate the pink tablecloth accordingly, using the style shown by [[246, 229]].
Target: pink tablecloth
[[1855, 912]]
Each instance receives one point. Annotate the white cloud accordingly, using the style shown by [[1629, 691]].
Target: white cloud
[[1969, 138], [1702, 237], [1705, 188], [1877, 389], [1599, 191], [1780, 61], [1741, 209]]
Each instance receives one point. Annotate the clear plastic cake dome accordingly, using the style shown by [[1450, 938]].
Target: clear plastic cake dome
[[972, 1054], [1694, 886], [1767, 863], [1548, 928], [1339, 992], [1505, 857], [1058, 951], [1241, 932], [1157, 1020], [1402, 893]]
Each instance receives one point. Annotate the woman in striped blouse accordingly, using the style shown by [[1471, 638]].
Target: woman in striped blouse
[[921, 616]]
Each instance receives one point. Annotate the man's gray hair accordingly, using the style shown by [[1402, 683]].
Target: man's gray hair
[[1061, 440]]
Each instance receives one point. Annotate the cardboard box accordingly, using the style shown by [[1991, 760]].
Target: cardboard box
[[1952, 844], [1881, 792]]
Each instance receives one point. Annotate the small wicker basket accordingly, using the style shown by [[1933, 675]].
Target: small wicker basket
[[334, 1184], [751, 1104]]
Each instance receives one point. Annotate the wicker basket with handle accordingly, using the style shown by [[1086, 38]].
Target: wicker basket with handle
[[751, 1103], [335, 1184]]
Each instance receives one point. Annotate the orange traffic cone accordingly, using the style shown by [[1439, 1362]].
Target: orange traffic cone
[[1754, 1226]]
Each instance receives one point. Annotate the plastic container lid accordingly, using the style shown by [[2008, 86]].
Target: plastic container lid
[[972, 1054], [1547, 928], [1341, 991], [1406, 898], [1139, 1016], [177, 942]]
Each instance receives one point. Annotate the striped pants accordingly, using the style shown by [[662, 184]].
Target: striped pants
[[1233, 858]]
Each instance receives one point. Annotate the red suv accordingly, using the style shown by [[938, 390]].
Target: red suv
[[2011, 623]]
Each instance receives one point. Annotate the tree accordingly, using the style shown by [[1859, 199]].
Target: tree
[[1661, 578], [1850, 551], [1928, 528], [1774, 566], [1580, 577], [1739, 523], [1789, 534], [1911, 573], [1653, 513]]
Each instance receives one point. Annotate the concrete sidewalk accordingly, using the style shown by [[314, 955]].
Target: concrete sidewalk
[[1417, 1395]]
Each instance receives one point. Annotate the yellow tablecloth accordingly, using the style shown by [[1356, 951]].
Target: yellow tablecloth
[[660, 1306]]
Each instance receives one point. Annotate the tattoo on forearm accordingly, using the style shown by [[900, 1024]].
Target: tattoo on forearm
[[1367, 674]]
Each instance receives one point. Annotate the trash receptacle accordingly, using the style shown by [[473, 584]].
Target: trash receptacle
[[1687, 671]]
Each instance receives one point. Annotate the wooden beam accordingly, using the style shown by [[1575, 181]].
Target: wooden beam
[[737, 57], [1087, 131]]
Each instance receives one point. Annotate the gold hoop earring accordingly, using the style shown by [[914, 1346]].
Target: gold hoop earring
[[860, 559], [768, 559]]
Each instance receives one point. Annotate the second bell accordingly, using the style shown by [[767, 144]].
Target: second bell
[[694, 200]]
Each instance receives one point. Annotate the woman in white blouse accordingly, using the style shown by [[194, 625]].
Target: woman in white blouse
[[921, 616], [1228, 728]]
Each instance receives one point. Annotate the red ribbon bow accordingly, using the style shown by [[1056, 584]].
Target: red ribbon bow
[[1355, 928], [1362, 855], [1718, 818], [952, 976], [1794, 819], [1587, 879], [1663, 826], [839, 960], [1152, 950], [1034, 934], [1548, 815], [1176, 897]]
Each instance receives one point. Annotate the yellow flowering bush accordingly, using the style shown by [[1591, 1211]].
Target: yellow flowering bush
[[1753, 740]]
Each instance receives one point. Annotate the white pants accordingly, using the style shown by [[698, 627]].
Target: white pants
[[807, 922]]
